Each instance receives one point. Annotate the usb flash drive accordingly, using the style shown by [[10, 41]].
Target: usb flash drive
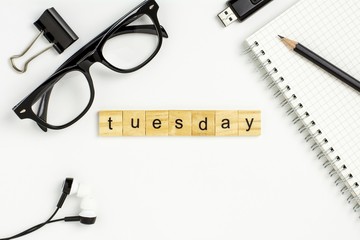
[[240, 9]]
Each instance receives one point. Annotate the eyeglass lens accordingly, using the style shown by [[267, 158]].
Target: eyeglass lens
[[130, 50], [69, 98]]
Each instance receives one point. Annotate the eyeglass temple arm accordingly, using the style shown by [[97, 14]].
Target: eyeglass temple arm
[[148, 29]]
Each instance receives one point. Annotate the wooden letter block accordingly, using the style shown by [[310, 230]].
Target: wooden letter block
[[134, 123], [249, 123], [227, 123], [157, 123], [110, 123], [203, 123], [179, 123]]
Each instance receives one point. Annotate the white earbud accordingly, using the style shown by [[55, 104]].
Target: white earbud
[[83, 190], [72, 187], [88, 204], [80, 189], [88, 210]]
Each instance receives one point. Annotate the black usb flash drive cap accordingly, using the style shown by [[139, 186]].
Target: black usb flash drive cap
[[56, 30], [240, 10]]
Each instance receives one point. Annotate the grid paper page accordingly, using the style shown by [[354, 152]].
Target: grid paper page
[[331, 28]]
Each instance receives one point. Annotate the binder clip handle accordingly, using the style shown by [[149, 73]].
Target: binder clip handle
[[53, 27]]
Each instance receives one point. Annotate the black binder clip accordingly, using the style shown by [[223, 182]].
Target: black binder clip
[[55, 30]]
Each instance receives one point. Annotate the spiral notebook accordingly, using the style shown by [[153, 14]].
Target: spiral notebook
[[326, 109]]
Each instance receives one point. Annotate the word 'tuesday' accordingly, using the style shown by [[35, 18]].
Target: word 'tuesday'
[[180, 123]]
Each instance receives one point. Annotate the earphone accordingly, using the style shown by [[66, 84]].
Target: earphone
[[87, 206], [87, 213]]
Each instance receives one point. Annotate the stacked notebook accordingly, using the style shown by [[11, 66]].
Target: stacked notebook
[[325, 108]]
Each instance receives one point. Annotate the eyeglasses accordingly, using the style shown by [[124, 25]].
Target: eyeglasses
[[126, 46]]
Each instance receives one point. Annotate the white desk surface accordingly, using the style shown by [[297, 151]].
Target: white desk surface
[[268, 187]]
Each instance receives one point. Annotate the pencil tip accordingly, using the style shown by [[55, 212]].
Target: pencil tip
[[281, 37]]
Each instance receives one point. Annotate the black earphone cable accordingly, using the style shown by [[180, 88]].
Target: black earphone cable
[[34, 228]]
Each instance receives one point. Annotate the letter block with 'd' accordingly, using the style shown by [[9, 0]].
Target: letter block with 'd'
[[203, 123]]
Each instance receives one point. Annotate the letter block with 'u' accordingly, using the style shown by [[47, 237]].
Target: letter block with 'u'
[[134, 123]]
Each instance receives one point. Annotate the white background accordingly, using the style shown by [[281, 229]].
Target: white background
[[270, 186]]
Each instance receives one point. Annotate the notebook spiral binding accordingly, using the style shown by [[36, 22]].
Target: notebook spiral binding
[[308, 126]]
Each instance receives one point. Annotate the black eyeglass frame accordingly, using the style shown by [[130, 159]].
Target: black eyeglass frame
[[84, 58]]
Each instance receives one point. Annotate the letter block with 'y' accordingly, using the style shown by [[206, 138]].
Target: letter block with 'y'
[[249, 123]]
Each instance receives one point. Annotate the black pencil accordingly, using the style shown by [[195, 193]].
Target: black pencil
[[321, 62]]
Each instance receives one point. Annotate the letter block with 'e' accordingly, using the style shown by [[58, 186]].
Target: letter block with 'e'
[[157, 123]]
